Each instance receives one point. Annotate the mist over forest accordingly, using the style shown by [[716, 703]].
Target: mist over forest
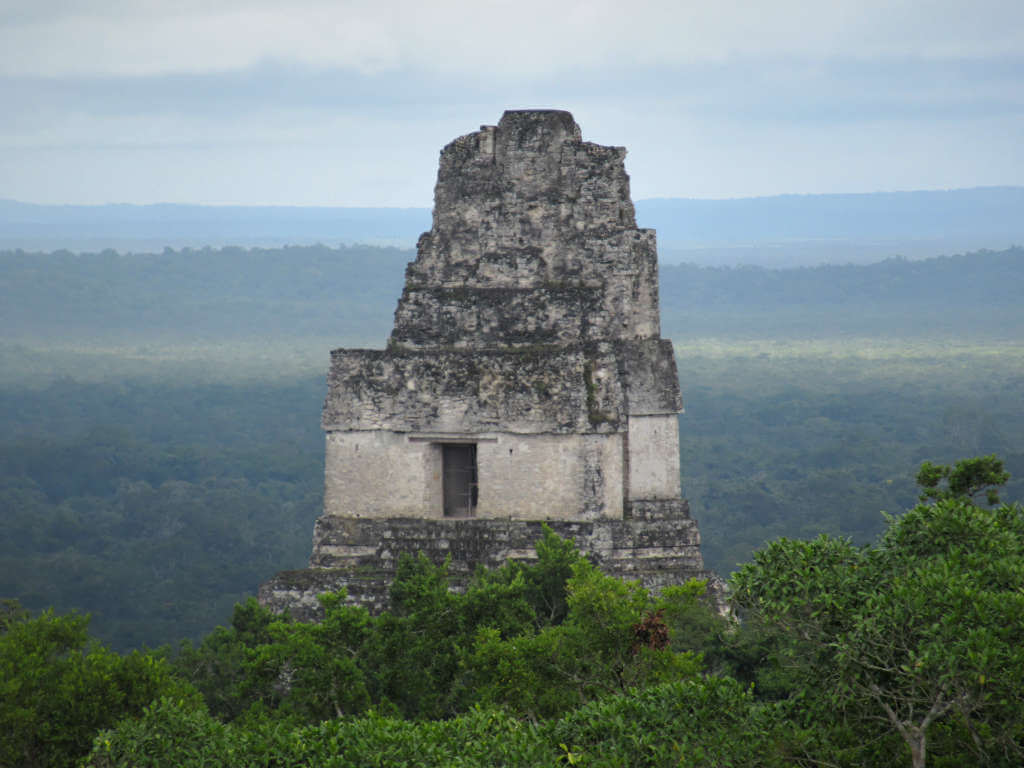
[[161, 450], [161, 455], [349, 294]]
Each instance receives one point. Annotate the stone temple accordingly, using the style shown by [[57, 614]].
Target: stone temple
[[525, 382]]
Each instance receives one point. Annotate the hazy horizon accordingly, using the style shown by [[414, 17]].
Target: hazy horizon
[[348, 104], [716, 198], [775, 231]]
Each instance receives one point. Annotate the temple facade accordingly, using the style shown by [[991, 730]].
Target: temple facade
[[525, 382]]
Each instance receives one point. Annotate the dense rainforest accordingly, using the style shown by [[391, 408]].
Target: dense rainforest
[[160, 455], [904, 652], [348, 295], [160, 450]]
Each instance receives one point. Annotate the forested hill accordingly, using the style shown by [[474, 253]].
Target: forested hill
[[350, 293], [201, 294], [984, 278], [962, 295]]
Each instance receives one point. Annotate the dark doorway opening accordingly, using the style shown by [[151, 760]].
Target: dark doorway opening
[[459, 473]]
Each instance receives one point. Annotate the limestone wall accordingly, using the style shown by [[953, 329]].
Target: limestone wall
[[379, 474], [543, 477], [654, 457]]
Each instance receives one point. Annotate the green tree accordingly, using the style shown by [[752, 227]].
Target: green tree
[[311, 671], [413, 656], [923, 632], [688, 723], [613, 638], [58, 687], [547, 578], [967, 479], [220, 666], [170, 733], [417, 657]]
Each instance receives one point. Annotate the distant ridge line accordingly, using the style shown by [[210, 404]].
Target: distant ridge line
[[779, 230]]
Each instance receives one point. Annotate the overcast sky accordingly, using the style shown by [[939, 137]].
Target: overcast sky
[[310, 102]]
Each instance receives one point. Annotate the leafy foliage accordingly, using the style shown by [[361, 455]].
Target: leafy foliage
[[796, 439], [115, 486], [594, 652], [170, 733], [922, 632], [694, 723], [438, 653], [691, 723], [846, 655], [967, 479], [412, 660], [57, 688], [310, 671]]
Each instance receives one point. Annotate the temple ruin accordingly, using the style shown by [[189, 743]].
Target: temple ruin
[[525, 382]]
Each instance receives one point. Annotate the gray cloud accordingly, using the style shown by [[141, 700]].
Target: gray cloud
[[765, 88], [348, 103], [525, 37]]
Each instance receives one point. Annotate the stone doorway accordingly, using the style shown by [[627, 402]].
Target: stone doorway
[[459, 479]]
